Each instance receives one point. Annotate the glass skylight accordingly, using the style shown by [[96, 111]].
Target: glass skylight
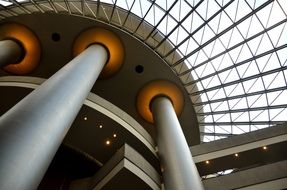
[[231, 55]]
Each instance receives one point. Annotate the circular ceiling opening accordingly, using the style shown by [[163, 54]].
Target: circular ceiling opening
[[139, 68], [56, 37]]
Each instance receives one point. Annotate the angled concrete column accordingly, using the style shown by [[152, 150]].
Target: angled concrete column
[[179, 170], [31, 131], [10, 52]]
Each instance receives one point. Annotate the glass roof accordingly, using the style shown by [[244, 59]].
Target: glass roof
[[231, 55]]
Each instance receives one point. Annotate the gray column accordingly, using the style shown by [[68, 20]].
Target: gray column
[[31, 131], [179, 170], [10, 52]]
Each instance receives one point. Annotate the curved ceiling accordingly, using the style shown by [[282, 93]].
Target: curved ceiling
[[231, 55]]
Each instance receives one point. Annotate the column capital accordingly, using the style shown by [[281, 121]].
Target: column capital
[[29, 43], [158, 88], [107, 39]]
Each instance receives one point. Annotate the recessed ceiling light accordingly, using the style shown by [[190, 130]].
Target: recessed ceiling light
[[108, 142], [207, 161], [236, 155], [114, 135], [264, 147], [100, 126], [85, 118]]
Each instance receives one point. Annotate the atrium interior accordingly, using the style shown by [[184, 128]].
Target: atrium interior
[[213, 69]]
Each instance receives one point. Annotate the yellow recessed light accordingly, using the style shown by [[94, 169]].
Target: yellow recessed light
[[264, 147], [108, 142], [85, 118], [100, 126], [236, 155], [114, 135], [207, 161]]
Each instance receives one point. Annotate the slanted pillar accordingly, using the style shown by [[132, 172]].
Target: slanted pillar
[[179, 170], [160, 102], [32, 131]]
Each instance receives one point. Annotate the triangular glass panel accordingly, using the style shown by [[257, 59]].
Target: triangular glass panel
[[221, 117], [261, 115], [213, 7], [223, 106], [163, 26], [158, 14], [196, 21], [183, 47], [257, 101], [278, 114], [225, 22], [204, 99], [208, 34], [209, 48], [239, 103], [265, 45], [232, 76], [235, 38], [263, 14], [208, 69], [202, 9], [283, 4], [238, 129], [240, 116], [251, 70], [244, 54], [187, 23], [211, 94], [259, 3], [218, 47], [150, 17], [274, 80], [184, 9], [200, 58], [162, 4], [225, 38], [276, 14], [254, 44], [209, 129], [214, 106], [214, 82], [275, 34], [273, 63], [257, 86], [222, 129], [214, 23], [244, 26], [124, 4], [242, 10], [277, 97], [192, 45], [223, 75], [175, 11], [226, 62], [182, 35], [234, 90], [219, 94], [255, 26], [283, 39], [208, 119], [231, 9]]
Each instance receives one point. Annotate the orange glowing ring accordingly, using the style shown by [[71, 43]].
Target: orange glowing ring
[[158, 88], [109, 40], [30, 44]]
